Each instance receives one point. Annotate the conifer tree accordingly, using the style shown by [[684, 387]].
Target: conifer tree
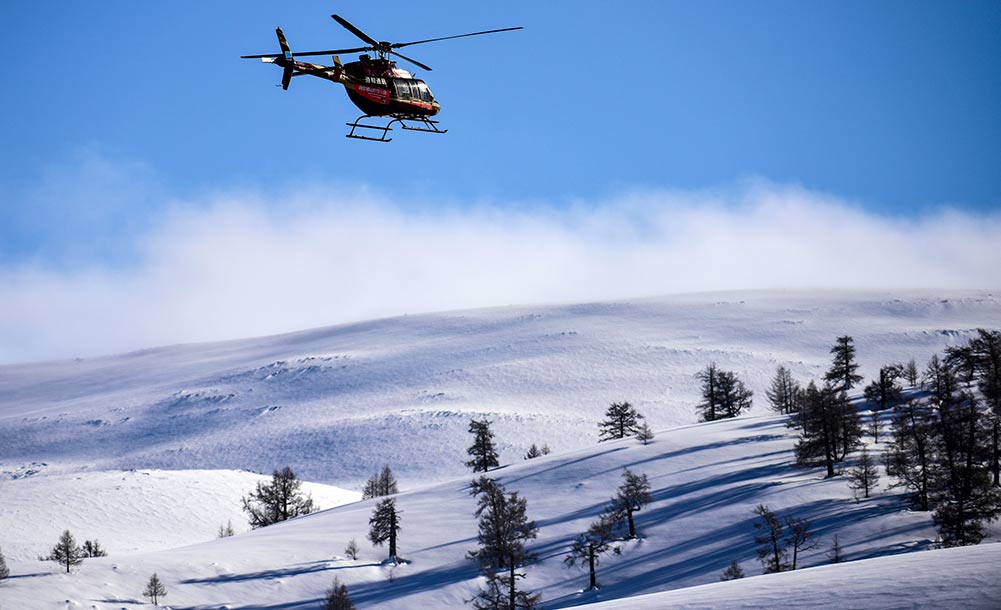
[[155, 589], [337, 597], [985, 349], [621, 420], [225, 531], [277, 501], [644, 434], [883, 393], [783, 394], [817, 421], [4, 570], [771, 550], [709, 409], [865, 476], [631, 496], [483, 452], [799, 537], [734, 396], [835, 553], [504, 529], [966, 500], [66, 552], [384, 525], [911, 373], [351, 550], [591, 546], [843, 372], [382, 483], [733, 572], [93, 549], [910, 458], [533, 452]]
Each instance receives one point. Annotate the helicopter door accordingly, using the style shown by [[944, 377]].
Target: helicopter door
[[402, 88]]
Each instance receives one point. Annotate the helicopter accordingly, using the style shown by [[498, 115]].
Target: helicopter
[[375, 85]]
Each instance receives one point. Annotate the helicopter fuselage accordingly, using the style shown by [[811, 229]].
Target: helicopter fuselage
[[376, 86]]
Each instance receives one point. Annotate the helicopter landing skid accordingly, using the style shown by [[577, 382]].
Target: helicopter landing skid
[[417, 123]]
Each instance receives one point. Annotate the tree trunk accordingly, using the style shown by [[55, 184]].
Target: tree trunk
[[997, 482], [392, 535], [590, 559], [632, 526], [512, 589]]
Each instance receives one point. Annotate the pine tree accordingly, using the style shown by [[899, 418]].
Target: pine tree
[[985, 349], [496, 595], [384, 525], [644, 434], [771, 552], [277, 501], [818, 423], [154, 589], [911, 373], [865, 476], [504, 529], [843, 372], [591, 546], [734, 396], [723, 394], [93, 549], [709, 409], [733, 572], [621, 420], [835, 553], [66, 552], [4, 570], [533, 452], [351, 550], [225, 531], [910, 458], [337, 597], [966, 500], [883, 393], [483, 450], [799, 537], [631, 496], [380, 484], [783, 394]]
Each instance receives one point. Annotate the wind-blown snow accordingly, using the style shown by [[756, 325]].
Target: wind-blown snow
[[336, 403]]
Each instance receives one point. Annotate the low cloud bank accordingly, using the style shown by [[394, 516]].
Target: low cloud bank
[[243, 265]]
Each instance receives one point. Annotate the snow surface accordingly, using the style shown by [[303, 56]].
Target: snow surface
[[337, 403], [129, 511], [706, 480]]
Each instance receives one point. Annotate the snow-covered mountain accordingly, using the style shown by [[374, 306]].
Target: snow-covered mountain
[[337, 403]]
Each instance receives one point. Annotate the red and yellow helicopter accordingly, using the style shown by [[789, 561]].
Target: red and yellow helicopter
[[376, 86]]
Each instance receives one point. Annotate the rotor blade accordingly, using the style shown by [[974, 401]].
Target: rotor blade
[[260, 56], [400, 45], [360, 34], [411, 60], [334, 51]]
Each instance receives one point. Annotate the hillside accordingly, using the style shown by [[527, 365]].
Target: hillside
[[338, 402], [706, 480]]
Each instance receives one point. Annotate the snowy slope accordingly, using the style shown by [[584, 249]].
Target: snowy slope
[[964, 578], [129, 511], [706, 480], [337, 403]]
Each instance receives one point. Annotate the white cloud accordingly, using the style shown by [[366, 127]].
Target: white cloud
[[244, 265]]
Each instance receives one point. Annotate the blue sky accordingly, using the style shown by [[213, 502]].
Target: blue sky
[[116, 115]]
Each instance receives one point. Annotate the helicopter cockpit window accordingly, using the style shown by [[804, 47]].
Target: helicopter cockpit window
[[402, 88], [425, 92]]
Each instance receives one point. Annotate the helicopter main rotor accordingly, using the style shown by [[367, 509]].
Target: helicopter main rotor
[[383, 48]]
